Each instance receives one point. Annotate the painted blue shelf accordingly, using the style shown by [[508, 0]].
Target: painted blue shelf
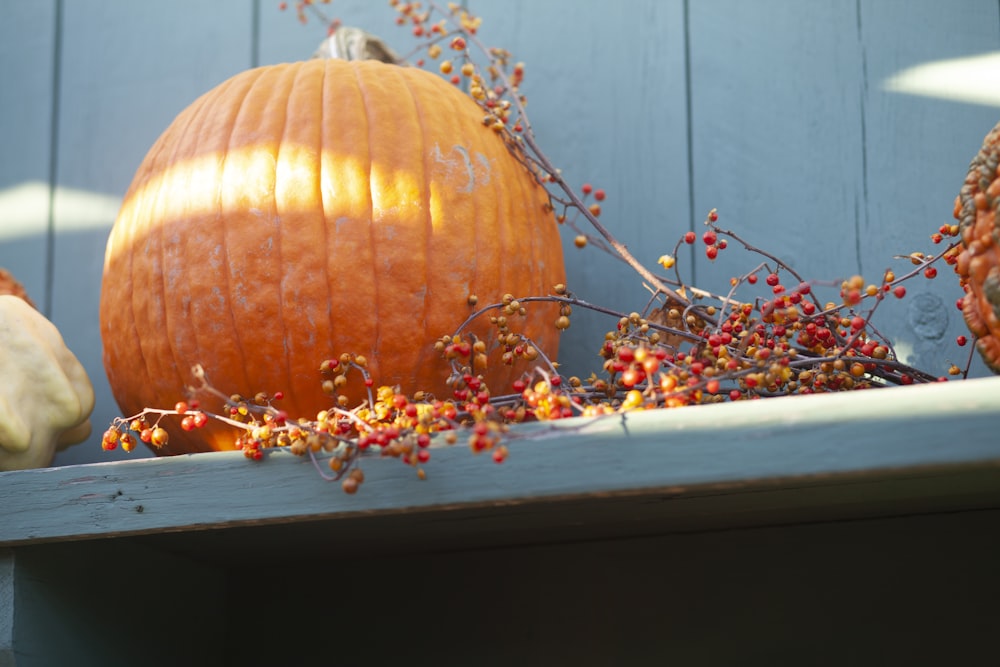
[[881, 458]]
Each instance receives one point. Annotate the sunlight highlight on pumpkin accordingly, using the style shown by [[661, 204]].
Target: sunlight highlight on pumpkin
[[300, 211]]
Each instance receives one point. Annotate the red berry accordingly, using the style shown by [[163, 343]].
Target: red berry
[[587, 188], [689, 237], [930, 272], [773, 279], [709, 237], [712, 252], [752, 279], [599, 195], [899, 291], [632, 376], [961, 340], [713, 215]]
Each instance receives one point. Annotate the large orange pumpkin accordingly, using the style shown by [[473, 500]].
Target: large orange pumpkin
[[303, 210], [978, 263]]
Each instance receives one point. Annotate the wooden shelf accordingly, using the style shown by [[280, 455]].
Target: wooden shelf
[[876, 457]]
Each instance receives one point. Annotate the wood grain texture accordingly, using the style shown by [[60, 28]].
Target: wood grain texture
[[806, 155], [793, 442], [916, 152], [27, 51], [776, 131]]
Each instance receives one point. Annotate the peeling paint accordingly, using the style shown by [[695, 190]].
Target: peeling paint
[[477, 171]]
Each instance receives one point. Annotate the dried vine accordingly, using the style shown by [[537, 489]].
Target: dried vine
[[688, 346]]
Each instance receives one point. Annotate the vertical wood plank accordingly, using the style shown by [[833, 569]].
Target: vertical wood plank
[[917, 152], [27, 49], [606, 95], [807, 156], [128, 69], [776, 132]]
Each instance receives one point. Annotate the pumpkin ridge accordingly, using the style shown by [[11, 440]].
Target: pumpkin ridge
[[245, 108], [425, 319], [248, 80], [181, 141], [476, 268], [165, 292], [286, 92], [347, 210], [326, 208], [192, 146], [377, 288]]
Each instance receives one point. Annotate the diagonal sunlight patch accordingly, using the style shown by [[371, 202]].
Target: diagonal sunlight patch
[[24, 209], [973, 80]]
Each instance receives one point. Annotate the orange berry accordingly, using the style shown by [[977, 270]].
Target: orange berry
[[159, 437]]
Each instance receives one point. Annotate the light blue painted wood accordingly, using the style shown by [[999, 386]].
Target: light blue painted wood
[[834, 439], [805, 155], [27, 39], [917, 151]]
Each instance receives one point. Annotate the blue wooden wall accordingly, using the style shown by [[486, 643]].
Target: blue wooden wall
[[783, 114]]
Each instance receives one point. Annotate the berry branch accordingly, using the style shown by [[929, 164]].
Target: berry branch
[[688, 346]]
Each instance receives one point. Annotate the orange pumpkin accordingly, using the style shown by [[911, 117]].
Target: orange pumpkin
[[978, 263], [300, 211]]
